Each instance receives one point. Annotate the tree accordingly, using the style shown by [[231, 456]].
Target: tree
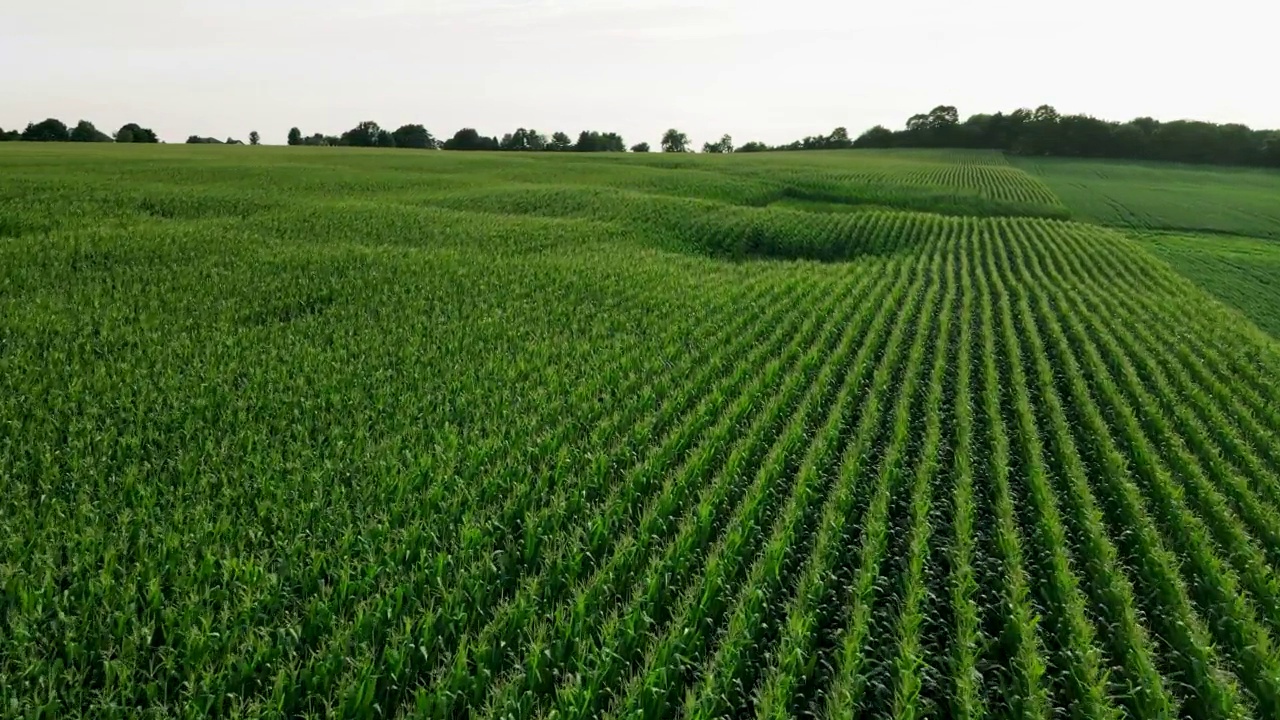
[[470, 139], [1271, 148], [522, 140], [364, 134], [386, 139], [132, 132], [233, 141], [839, 139], [51, 130], [937, 128], [877, 137], [753, 146], [535, 140], [592, 141], [724, 145], [322, 140], [414, 136], [943, 116], [295, 136], [674, 141], [1045, 131], [1045, 114], [640, 147], [560, 142], [84, 131], [254, 138]]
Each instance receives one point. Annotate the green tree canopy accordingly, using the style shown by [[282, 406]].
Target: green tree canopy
[[471, 139], [523, 139], [723, 145], [878, 136], [132, 132], [364, 134], [84, 131], [414, 136], [51, 130], [674, 141], [593, 141], [560, 142]]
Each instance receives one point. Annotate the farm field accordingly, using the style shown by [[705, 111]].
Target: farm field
[[1164, 196], [321, 432], [1243, 272]]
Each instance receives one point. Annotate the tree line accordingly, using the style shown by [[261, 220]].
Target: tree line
[[1042, 131], [370, 134], [54, 130]]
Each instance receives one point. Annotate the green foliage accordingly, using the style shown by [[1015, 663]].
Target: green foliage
[[560, 142], [877, 137], [365, 134], [306, 432], [722, 146], [295, 136], [837, 140], [674, 141], [1044, 131], [134, 133], [51, 130], [414, 136], [524, 140], [592, 141], [470, 139], [321, 140], [84, 131]]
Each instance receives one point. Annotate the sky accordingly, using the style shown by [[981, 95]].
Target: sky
[[768, 70]]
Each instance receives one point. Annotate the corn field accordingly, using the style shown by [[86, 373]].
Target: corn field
[[400, 440]]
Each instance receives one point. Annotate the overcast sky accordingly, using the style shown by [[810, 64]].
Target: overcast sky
[[770, 70]]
